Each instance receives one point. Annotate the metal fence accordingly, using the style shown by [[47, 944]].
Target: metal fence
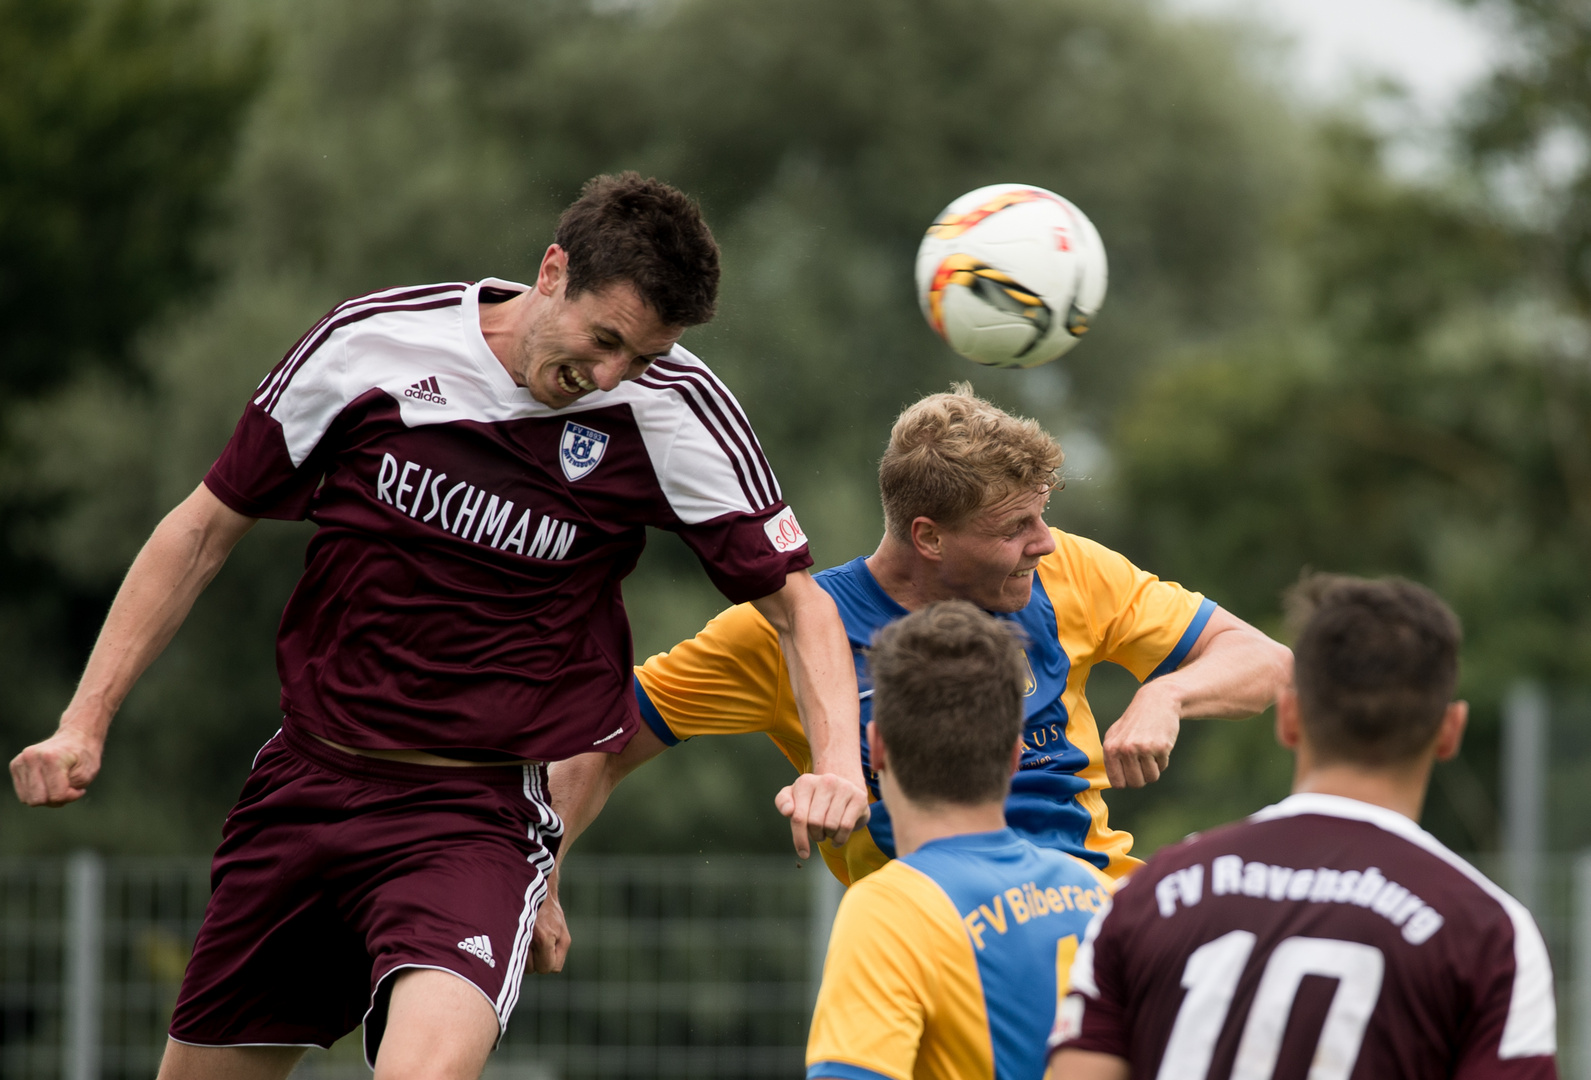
[[681, 967]]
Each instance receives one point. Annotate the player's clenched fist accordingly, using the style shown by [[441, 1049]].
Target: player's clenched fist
[[822, 806], [1138, 745], [56, 771]]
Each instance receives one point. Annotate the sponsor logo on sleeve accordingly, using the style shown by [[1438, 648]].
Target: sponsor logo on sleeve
[[580, 449], [784, 533]]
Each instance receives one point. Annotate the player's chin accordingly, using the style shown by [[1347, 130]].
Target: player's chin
[[1017, 593]]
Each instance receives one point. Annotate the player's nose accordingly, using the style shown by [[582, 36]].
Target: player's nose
[[1042, 542], [608, 373]]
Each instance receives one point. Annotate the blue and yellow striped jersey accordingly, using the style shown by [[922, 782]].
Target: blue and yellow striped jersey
[[1089, 605], [948, 963]]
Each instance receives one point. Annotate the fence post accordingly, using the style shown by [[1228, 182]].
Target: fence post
[[1579, 1026], [85, 936], [826, 893], [1524, 789]]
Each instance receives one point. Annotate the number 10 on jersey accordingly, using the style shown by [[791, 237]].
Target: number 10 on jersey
[[1211, 978]]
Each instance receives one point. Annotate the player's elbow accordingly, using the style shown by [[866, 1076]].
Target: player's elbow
[[796, 604]]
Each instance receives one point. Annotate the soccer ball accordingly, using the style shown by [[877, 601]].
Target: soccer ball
[[1010, 275]]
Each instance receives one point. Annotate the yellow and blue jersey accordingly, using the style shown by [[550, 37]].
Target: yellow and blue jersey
[[1089, 605], [949, 962]]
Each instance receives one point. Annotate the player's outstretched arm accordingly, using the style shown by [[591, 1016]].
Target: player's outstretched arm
[[1232, 671], [830, 802], [176, 563]]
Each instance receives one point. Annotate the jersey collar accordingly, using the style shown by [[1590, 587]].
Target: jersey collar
[[497, 377]]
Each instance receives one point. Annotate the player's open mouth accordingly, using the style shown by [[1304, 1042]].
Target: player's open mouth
[[571, 382]]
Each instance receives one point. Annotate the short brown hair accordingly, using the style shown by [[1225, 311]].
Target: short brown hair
[[629, 228], [951, 455], [1375, 666], [947, 698]]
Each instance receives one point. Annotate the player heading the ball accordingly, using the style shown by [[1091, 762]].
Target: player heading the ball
[[1327, 934], [947, 963], [482, 460]]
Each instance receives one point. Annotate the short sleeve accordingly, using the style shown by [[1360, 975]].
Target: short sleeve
[[1510, 1034], [270, 468], [873, 1005], [748, 556], [717, 480], [1136, 620], [728, 679]]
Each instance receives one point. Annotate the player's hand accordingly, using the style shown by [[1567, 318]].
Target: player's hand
[[549, 938], [58, 770], [1138, 745], [822, 806]]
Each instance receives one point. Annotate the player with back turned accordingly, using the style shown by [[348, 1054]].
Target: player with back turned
[[946, 963], [482, 461], [1328, 934]]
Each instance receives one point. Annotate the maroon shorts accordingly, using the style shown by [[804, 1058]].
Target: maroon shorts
[[336, 871]]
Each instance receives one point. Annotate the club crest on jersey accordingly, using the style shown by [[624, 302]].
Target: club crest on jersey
[[580, 450]]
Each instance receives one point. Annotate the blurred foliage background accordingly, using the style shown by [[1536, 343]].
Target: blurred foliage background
[[1308, 358]]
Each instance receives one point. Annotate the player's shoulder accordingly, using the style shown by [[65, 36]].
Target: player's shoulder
[[393, 309], [900, 897], [1328, 849], [678, 386], [391, 328], [1079, 560]]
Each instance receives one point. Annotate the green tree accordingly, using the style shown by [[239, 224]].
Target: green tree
[[1426, 416], [118, 123], [406, 140]]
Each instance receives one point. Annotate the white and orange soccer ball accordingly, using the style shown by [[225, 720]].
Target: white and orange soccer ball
[[1010, 275]]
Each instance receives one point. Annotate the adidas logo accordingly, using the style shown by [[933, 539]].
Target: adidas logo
[[426, 390], [480, 945]]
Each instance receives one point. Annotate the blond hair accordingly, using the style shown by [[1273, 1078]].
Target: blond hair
[[951, 455]]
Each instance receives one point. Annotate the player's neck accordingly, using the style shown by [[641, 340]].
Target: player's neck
[[904, 577], [505, 325], [1401, 789], [917, 825]]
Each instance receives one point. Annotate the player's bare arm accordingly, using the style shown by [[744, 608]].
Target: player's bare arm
[[579, 788], [830, 802], [1068, 1064], [185, 551], [1232, 671]]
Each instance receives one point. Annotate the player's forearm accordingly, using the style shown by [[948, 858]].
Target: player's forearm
[[822, 675], [1238, 674], [180, 558], [579, 786]]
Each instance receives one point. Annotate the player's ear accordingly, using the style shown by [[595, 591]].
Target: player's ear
[[876, 754], [927, 538], [554, 268], [1016, 756], [1288, 729], [1450, 736]]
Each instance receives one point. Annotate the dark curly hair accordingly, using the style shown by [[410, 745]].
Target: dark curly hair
[[630, 228]]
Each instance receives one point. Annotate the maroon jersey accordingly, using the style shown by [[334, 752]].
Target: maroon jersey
[[462, 592], [1323, 937]]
